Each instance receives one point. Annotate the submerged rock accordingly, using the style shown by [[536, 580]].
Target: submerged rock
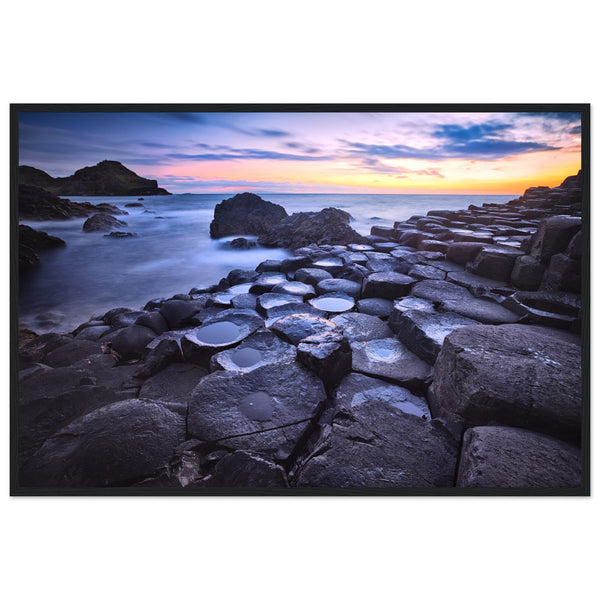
[[102, 222]]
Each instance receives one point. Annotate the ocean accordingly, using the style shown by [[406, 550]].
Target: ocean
[[173, 253]]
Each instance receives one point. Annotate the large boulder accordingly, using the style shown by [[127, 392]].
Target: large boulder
[[114, 445], [37, 204], [553, 236], [516, 375], [31, 242], [100, 222], [375, 445], [329, 226], [506, 457], [245, 214]]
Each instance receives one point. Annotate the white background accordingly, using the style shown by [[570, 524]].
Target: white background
[[307, 51]]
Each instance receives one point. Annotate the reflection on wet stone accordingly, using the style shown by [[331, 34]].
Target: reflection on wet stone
[[257, 406]]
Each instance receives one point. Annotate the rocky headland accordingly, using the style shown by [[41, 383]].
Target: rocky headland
[[439, 352], [107, 178]]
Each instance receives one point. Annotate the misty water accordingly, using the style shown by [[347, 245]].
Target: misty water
[[173, 253]]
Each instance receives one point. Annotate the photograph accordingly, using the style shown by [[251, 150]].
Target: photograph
[[300, 299]]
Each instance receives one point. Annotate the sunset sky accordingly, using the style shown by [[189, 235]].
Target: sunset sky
[[474, 153]]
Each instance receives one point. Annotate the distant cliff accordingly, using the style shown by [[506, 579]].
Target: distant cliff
[[107, 178]]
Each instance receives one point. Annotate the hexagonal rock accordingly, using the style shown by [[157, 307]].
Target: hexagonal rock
[[516, 375], [311, 276], [333, 303], [332, 264], [390, 359], [218, 333], [178, 313], [173, 385], [424, 332], [296, 288], [294, 308], [454, 298], [378, 307], [261, 348], [478, 285], [71, 352], [355, 389], [166, 352], [463, 252], [153, 320], [267, 281], [294, 328], [271, 300], [341, 286], [426, 272], [131, 341], [506, 457], [358, 327], [375, 445], [563, 274], [553, 236], [266, 410], [326, 354], [242, 469], [388, 285], [495, 263], [527, 273], [42, 417], [114, 445]]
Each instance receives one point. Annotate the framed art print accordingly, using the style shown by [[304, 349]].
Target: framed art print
[[300, 299]]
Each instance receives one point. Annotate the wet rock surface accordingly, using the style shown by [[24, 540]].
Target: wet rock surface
[[252, 410], [390, 359], [516, 375], [355, 389], [324, 369], [375, 445], [506, 457]]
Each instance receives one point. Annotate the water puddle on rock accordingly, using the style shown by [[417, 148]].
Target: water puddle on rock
[[240, 288], [246, 357], [328, 262], [332, 304], [224, 332], [383, 350], [257, 406]]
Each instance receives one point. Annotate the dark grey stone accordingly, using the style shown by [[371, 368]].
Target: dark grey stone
[[390, 359], [355, 389], [114, 445], [505, 457], [375, 445], [516, 375], [358, 327], [266, 410]]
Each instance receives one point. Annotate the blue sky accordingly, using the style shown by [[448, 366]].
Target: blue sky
[[319, 152]]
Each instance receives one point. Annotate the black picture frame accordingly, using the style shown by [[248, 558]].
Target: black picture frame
[[584, 109]]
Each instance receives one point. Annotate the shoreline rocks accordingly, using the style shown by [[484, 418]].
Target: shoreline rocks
[[440, 352]]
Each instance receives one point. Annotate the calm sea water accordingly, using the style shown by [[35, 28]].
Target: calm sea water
[[173, 252]]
